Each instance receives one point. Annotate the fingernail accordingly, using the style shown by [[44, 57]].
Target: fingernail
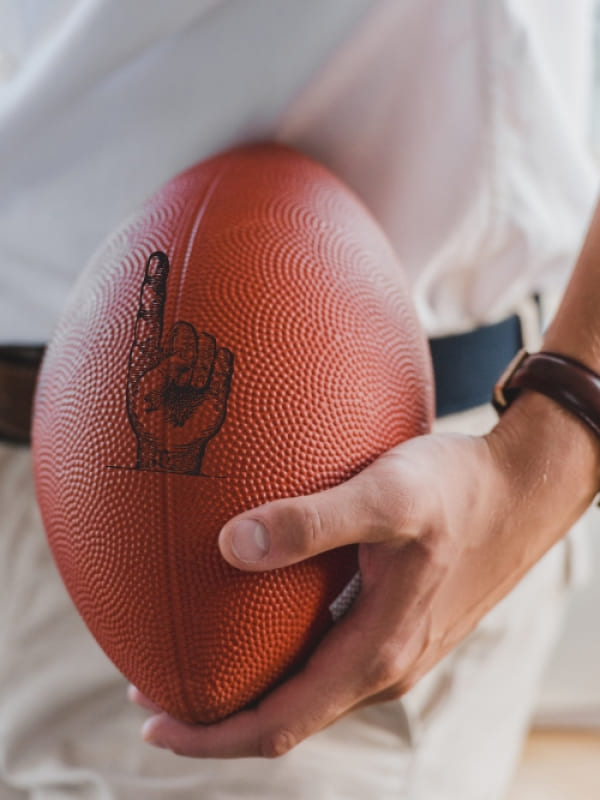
[[249, 540], [148, 737], [156, 266]]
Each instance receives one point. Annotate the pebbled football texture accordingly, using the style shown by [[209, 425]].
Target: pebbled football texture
[[247, 335]]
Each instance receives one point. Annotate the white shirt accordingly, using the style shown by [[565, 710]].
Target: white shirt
[[461, 123]]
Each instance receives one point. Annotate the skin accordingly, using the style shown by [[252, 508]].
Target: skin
[[446, 526]]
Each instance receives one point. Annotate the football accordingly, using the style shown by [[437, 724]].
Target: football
[[248, 334]]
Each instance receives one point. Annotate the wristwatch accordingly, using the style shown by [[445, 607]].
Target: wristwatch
[[567, 381]]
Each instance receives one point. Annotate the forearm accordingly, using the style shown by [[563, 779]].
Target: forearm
[[575, 330], [551, 465], [564, 453], [549, 461]]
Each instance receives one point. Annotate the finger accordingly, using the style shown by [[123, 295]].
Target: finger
[[182, 353], [379, 504], [135, 696], [334, 680], [207, 348], [152, 299], [149, 319], [222, 371]]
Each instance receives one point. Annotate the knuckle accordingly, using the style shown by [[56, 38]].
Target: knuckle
[[277, 743], [374, 678], [313, 525], [307, 528], [371, 504], [384, 671], [393, 493]]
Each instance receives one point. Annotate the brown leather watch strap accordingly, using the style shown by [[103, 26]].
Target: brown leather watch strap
[[565, 380], [18, 374]]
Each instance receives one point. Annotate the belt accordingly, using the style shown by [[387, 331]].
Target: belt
[[18, 375], [466, 367]]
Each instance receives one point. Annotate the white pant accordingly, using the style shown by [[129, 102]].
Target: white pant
[[67, 731]]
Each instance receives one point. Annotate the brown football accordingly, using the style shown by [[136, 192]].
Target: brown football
[[247, 335]]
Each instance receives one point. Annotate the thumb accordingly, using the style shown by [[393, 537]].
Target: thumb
[[370, 507]]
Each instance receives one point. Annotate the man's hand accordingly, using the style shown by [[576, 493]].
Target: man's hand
[[446, 526]]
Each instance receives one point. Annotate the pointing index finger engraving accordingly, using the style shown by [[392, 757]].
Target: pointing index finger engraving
[[145, 350]]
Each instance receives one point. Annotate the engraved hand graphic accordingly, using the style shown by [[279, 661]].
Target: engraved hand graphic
[[176, 391]]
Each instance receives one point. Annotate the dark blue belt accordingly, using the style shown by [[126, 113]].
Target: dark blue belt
[[467, 365]]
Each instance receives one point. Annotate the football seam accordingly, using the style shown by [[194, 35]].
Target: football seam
[[190, 227]]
